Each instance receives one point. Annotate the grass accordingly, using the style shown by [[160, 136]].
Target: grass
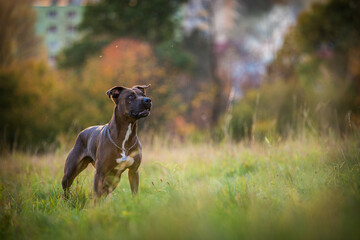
[[301, 189]]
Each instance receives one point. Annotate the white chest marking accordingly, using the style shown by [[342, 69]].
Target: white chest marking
[[124, 163], [125, 160]]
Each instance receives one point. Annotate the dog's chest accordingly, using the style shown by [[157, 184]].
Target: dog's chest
[[124, 162]]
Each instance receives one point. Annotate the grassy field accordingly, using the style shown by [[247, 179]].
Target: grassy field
[[297, 189]]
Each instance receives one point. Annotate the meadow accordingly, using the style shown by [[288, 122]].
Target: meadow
[[305, 188], [261, 98]]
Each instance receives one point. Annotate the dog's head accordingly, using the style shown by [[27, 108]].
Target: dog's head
[[131, 102]]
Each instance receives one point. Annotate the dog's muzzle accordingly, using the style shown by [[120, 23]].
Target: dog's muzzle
[[146, 103]]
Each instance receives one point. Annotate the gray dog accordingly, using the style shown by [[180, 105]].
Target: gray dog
[[111, 148]]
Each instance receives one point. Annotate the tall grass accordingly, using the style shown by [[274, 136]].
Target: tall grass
[[297, 189]]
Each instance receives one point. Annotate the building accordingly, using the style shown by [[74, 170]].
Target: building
[[57, 22]]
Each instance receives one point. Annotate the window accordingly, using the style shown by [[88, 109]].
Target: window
[[71, 29], [52, 14], [75, 2], [71, 14], [53, 45], [52, 29]]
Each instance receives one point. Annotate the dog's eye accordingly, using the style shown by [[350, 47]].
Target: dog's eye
[[131, 97]]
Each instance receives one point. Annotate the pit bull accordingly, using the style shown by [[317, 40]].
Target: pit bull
[[111, 148]]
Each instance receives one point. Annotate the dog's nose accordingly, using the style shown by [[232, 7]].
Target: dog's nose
[[147, 100]]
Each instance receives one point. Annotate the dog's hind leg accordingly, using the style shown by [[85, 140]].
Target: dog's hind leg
[[75, 163]]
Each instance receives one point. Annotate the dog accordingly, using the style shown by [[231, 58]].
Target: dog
[[111, 148]]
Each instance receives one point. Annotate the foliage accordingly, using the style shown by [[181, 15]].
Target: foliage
[[271, 111], [27, 107], [197, 89], [108, 20], [293, 190], [41, 105], [314, 83], [336, 23], [26, 85], [172, 54], [18, 40], [79, 52], [125, 62], [38, 103]]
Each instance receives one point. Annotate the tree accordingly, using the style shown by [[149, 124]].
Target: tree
[[18, 40], [320, 57], [152, 21], [25, 83]]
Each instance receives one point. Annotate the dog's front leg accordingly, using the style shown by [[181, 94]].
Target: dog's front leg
[[102, 185], [134, 180]]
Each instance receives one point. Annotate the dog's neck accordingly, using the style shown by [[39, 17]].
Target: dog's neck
[[123, 130]]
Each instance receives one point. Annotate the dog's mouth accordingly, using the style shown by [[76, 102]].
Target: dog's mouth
[[144, 113], [141, 114]]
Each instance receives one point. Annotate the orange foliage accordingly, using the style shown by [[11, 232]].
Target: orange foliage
[[129, 61], [183, 128], [126, 62], [123, 62]]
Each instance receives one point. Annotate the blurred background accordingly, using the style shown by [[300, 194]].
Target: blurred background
[[234, 70]]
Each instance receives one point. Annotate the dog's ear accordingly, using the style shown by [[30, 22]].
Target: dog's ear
[[114, 92], [142, 87]]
